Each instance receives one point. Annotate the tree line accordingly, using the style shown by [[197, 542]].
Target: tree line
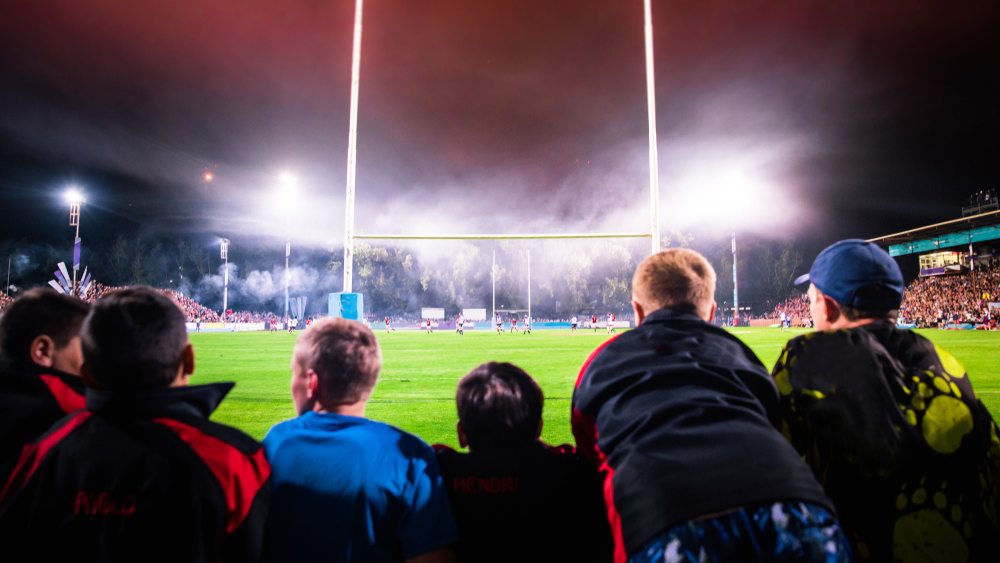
[[567, 277]]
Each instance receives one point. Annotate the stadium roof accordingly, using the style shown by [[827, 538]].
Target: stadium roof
[[957, 232]]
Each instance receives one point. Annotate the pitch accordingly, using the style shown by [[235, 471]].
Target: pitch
[[420, 371]]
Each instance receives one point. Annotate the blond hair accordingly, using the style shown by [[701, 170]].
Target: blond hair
[[345, 356], [677, 278]]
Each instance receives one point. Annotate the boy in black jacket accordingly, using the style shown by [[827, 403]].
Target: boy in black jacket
[[514, 497]]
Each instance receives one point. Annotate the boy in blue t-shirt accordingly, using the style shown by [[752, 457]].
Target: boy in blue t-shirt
[[345, 488]]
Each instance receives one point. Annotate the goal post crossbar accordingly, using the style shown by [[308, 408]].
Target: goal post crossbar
[[504, 237]]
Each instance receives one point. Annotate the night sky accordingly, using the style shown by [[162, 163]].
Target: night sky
[[844, 118]]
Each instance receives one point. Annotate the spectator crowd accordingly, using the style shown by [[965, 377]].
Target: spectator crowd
[[686, 447], [939, 301]]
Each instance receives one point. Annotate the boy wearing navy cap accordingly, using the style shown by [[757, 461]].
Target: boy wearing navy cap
[[887, 420]]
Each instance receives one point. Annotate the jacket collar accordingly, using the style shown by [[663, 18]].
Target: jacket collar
[[33, 369], [193, 400], [667, 314]]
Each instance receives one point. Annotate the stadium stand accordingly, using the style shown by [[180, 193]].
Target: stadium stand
[[192, 309], [959, 299]]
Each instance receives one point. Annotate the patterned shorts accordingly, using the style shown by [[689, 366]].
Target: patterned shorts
[[781, 531]]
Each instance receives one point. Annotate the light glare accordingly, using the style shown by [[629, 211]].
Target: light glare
[[74, 196]]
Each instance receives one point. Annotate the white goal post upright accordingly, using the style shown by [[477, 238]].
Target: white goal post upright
[[352, 151], [654, 167], [654, 187]]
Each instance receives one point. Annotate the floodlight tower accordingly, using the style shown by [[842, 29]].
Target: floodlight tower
[[224, 252], [736, 291], [286, 193], [75, 199]]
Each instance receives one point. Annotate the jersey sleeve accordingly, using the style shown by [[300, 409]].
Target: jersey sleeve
[[427, 523]]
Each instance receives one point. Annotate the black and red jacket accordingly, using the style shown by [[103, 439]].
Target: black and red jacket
[[142, 476], [32, 399], [679, 416], [525, 502]]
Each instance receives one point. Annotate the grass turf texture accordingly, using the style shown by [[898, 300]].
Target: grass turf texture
[[416, 390]]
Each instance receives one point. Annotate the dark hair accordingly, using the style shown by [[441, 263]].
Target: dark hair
[[134, 339], [345, 356], [499, 404], [38, 312]]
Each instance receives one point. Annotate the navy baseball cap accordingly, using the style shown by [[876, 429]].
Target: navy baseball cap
[[857, 274]]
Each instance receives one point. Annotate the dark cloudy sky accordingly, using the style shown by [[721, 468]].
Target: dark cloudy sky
[[850, 118]]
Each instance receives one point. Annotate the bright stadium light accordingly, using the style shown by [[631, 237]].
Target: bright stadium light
[[74, 196]]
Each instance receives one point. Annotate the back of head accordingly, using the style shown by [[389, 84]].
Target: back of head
[[345, 356], [499, 404], [133, 339], [679, 279], [39, 312], [860, 276]]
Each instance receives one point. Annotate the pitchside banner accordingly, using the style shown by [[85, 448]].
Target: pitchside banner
[[433, 313], [347, 306]]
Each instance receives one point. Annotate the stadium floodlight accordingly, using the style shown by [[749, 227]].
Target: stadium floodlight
[[285, 202], [74, 196], [224, 254]]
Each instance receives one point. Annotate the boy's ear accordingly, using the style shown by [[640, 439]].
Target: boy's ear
[[463, 440], [41, 350]]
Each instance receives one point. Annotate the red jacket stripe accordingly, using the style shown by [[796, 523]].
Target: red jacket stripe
[[585, 431], [67, 397], [240, 475], [33, 454]]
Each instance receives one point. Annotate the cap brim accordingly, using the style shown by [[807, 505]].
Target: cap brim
[[804, 278]]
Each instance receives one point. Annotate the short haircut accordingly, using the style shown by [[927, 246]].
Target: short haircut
[[876, 292], [852, 314], [677, 278], [499, 404], [134, 339], [345, 356], [37, 312]]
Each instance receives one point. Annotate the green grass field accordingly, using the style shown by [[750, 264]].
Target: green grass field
[[417, 388]]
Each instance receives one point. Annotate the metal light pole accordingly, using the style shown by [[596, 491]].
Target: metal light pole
[[288, 251], [225, 278], [75, 198], [493, 277], [286, 195], [736, 294]]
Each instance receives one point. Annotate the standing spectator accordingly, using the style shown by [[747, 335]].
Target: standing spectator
[[40, 360], [678, 414], [347, 488], [888, 420], [141, 473], [516, 498]]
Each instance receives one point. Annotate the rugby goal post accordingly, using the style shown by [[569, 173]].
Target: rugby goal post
[[352, 138]]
